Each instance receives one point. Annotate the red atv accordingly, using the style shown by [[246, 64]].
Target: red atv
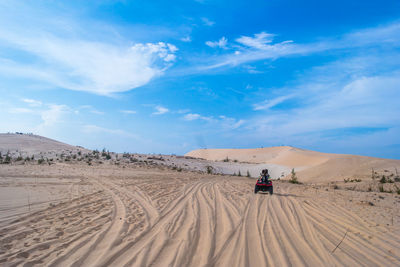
[[264, 185]]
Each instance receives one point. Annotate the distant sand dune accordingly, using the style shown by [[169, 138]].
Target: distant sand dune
[[32, 144], [310, 166]]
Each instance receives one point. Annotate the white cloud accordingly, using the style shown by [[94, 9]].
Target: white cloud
[[66, 57], [334, 103], [160, 110], [269, 103], [32, 102], [207, 22], [195, 116], [259, 41], [127, 111], [261, 46], [221, 43], [186, 39]]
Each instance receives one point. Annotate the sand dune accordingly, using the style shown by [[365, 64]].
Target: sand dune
[[32, 144], [311, 166]]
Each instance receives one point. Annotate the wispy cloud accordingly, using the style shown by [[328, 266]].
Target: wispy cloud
[[91, 109], [186, 39], [335, 96], [270, 103], [261, 46], [207, 22], [53, 114], [222, 122], [32, 102], [65, 55], [221, 43], [127, 111], [160, 110], [260, 40], [195, 116]]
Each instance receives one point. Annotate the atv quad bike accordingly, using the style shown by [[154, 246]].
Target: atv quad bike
[[264, 186]]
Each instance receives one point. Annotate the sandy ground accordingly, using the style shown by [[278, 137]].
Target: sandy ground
[[109, 215]]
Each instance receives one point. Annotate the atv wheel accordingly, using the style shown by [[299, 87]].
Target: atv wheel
[[256, 189]]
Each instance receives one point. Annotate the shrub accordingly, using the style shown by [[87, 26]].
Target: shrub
[[397, 190], [108, 156], [239, 173], [226, 160], [248, 173], [383, 179], [41, 160], [335, 186], [210, 169], [381, 188]]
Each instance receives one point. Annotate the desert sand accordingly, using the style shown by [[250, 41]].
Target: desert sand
[[142, 210]]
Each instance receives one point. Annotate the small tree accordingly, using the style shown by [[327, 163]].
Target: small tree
[[239, 173], [7, 158], [293, 178]]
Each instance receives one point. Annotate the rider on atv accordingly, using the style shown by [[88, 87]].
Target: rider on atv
[[264, 176], [264, 183]]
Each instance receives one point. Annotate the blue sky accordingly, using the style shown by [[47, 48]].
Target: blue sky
[[172, 76]]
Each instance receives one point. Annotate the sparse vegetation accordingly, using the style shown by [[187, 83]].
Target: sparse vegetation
[[7, 159], [348, 180]]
